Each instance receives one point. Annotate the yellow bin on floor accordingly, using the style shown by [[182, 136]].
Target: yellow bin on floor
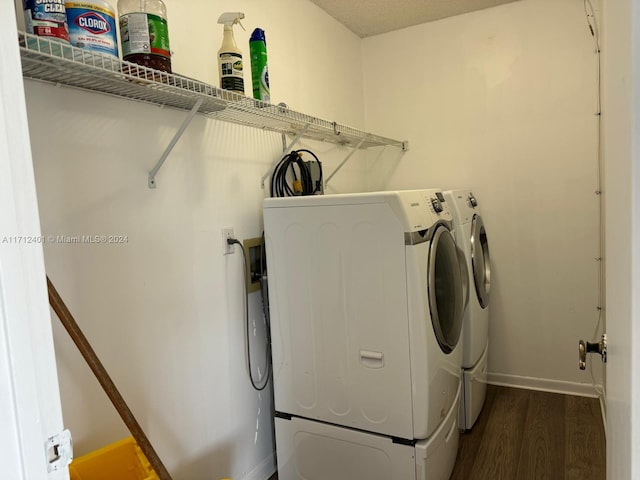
[[122, 460]]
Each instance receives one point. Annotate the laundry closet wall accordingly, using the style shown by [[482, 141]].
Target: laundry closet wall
[[164, 309], [503, 100]]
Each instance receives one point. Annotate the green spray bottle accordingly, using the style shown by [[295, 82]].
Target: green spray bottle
[[259, 69]]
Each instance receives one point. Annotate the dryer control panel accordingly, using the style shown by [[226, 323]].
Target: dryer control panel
[[462, 203]]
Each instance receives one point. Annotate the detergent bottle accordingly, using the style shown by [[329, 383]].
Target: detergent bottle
[[259, 69], [230, 67]]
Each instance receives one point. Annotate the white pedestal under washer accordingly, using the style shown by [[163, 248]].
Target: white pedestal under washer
[[307, 449], [366, 295], [471, 237]]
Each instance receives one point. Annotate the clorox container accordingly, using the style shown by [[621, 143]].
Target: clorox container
[[92, 26]]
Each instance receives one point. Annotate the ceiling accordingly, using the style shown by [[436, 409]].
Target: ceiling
[[373, 17]]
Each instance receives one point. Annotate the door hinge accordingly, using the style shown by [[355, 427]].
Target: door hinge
[[59, 450]]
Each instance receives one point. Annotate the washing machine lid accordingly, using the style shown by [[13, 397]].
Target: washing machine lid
[[446, 288], [480, 261], [416, 210]]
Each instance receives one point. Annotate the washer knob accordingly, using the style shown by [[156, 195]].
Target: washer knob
[[472, 200], [437, 206]]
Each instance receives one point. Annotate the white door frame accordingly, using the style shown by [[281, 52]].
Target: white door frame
[[30, 410], [621, 141]]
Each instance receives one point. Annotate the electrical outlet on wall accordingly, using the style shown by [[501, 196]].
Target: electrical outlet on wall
[[227, 232]]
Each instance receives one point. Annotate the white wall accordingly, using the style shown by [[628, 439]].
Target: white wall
[[164, 311], [503, 100]]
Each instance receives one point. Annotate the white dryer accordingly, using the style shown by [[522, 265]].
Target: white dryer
[[472, 239], [366, 298]]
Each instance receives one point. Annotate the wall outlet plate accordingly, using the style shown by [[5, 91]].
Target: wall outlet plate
[[227, 232]]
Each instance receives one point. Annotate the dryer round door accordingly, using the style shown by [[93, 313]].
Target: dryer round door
[[446, 291], [480, 260]]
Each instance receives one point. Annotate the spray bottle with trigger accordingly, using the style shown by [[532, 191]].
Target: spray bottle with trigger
[[230, 56]]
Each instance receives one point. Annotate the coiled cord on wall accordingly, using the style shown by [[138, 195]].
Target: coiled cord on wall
[[303, 185]]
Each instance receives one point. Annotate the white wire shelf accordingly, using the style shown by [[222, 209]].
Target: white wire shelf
[[60, 63]]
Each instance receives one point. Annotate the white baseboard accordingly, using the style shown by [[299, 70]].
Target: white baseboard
[[603, 410], [264, 469], [543, 384]]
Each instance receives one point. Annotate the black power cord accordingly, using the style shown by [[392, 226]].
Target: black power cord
[[265, 304], [300, 186]]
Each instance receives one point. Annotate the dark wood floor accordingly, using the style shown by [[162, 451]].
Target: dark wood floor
[[529, 435]]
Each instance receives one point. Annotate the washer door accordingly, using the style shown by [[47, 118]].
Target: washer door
[[480, 260], [446, 291]]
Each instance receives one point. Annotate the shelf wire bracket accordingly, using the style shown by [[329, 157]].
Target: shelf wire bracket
[[174, 140], [295, 140], [355, 149]]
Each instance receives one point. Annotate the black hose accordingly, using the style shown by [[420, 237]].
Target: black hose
[[254, 384], [303, 185]]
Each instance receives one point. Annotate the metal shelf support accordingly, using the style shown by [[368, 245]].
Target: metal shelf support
[[404, 147], [354, 150], [174, 140]]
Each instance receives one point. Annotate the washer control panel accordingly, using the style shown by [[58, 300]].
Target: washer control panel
[[417, 209], [437, 204]]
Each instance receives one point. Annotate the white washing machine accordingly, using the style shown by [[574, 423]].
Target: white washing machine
[[366, 298], [472, 239]]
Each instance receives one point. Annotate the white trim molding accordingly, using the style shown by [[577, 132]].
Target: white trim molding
[[543, 384], [603, 410], [29, 392]]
